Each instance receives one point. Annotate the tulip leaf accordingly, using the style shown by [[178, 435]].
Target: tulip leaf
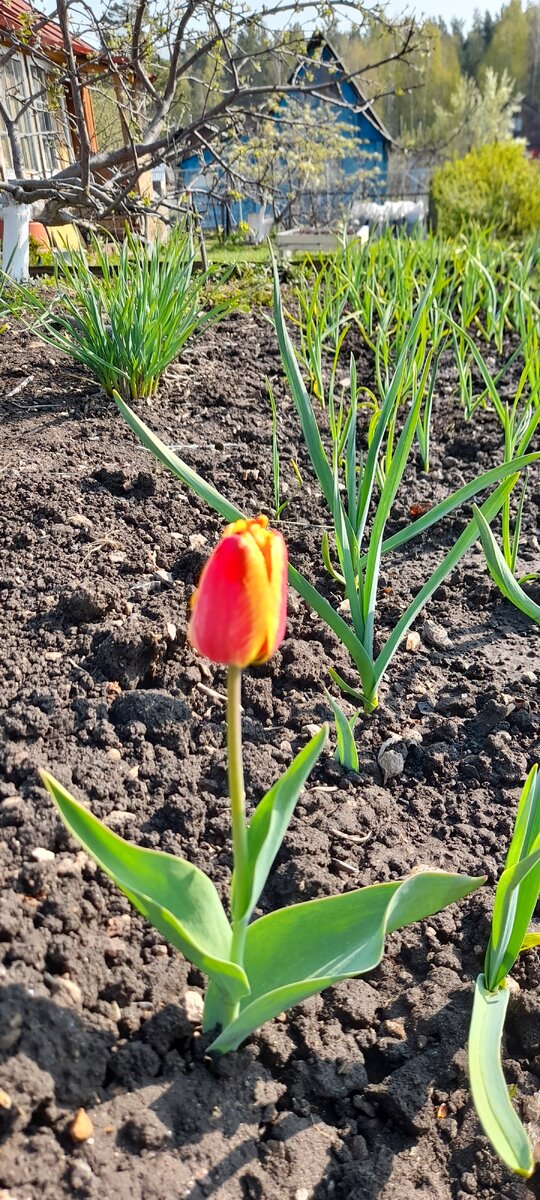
[[489, 1091], [501, 573], [272, 816], [179, 900], [294, 952], [530, 942], [515, 901], [527, 822]]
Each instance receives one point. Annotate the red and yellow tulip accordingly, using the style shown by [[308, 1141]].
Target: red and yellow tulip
[[239, 610]]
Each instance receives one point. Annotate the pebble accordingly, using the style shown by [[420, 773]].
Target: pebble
[[79, 519], [390, 759], [435, 635], [114, 754], [119, 925], [118, 816], [81, 1175], [413, 641], [11, 803], [194, 1005], [41, 854], [65, 989], [163, 576], [146, 1132], [81, 1127], [5, 1100], [73, 864], [394, 1029]]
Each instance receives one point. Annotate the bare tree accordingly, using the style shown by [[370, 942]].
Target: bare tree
[[176, 78]]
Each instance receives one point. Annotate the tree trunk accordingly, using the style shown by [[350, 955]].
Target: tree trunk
[[15, 241]]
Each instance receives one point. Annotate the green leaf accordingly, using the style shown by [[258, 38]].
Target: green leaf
[[294, 952], [490, 508], [202, 489], [392, 481], [515, 901], [501, 573], [457, 498], [272, 816], [530, 942], [301, 398], [527, 822], [179, 900], [496, 1114], [346, 751], [391, 400], [346, 635]]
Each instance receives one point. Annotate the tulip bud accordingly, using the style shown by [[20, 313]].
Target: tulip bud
[[239, 610]]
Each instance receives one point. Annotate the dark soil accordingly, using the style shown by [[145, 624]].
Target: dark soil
[[361, 1092]]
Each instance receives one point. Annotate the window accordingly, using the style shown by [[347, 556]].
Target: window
[[22, 82]]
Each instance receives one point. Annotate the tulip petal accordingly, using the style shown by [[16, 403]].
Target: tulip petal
[[230, 610], [276, 612]]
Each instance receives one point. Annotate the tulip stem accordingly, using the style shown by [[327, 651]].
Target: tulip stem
[[238, 818]]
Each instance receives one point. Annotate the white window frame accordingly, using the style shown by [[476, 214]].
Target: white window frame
[[39, 129]]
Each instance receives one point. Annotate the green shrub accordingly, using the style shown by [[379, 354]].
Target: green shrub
[[495, 187]]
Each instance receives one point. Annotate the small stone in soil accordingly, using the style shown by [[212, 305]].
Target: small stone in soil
[[435, 635], [194, 1005], [41, 854], [81, 1127], [390, 759]]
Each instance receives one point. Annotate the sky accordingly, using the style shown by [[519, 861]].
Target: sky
[[448, 9]]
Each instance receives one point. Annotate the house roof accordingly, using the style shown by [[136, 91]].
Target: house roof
[[332, 75], [14, 13]]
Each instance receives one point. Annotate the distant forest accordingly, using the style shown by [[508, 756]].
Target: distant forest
[[509, 42]]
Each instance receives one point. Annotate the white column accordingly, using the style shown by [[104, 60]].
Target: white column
[[15, 241]]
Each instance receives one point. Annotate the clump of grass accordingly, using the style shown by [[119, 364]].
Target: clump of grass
[[129, 320]]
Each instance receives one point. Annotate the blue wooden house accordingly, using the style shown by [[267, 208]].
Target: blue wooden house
[[342, 100]]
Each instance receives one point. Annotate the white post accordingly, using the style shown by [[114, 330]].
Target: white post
[[15, 241]]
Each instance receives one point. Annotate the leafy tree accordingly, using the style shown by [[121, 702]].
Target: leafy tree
[[184, 74], [477, 115], [509, 49], [299, 153]]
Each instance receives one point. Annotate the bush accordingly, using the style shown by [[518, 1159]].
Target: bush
[[126, 321], [495, 187]]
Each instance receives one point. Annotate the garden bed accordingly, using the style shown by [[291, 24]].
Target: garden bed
[[361, 1092]]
